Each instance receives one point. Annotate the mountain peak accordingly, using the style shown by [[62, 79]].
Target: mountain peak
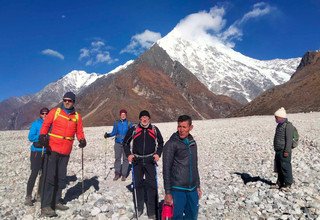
[[223, 70]]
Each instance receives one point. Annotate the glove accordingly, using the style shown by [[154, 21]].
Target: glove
[[285, 154], [37, 145], [82, 143], [43, 140], [106, 135]]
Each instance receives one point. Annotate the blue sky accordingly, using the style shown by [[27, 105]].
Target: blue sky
[[42, 40]]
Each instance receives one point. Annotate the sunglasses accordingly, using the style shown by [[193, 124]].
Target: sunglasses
[[67, 100], [44, 113]]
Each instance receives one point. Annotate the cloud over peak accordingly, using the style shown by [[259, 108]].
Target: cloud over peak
[[210, 26]]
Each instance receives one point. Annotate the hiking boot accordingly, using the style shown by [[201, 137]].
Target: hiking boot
[[286, 188], [123, 178], [60, 206], [28, 201], [116, 177], [274, 186], [48, 212], [140, 213]]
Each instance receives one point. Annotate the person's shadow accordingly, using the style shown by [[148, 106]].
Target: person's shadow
[[248, 178], [75, 191]]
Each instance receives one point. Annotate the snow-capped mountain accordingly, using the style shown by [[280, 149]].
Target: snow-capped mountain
[[225, 71], [18, 112], [74, 81]]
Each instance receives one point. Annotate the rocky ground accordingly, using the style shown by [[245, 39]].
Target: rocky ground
[[235, 163]]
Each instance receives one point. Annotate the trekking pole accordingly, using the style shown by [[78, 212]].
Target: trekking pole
[[105, 157], [82, 176], [135, 201], [111, 168], [157, 193], [39, 175]]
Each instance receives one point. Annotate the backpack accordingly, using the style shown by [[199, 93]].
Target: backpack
[[295, 139], [154, 135], [295, 136]]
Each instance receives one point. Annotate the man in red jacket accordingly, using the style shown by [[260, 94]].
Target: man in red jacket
[[57, 132]]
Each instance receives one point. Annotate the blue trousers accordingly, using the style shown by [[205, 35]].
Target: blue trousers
[[186, 204]]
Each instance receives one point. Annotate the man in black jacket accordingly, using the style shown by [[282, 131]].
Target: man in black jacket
[[180, 171], [146, 151], [283, 140]]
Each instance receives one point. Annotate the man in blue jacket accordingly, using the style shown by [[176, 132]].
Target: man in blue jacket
[[120, 128], [36, 156], [180, 171]]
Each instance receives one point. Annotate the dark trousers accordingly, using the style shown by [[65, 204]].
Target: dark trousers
[[148, 185], [120, 169], [284, 169], [55, 178], [36, 162]]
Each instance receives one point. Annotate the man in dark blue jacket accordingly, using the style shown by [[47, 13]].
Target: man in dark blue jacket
[[180, 171], [146, 150], [120, 128], [36, 156]]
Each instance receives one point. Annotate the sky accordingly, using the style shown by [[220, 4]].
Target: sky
[[43, 40]]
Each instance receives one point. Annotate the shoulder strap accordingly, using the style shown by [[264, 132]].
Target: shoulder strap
[[156, 140], [57, 114]]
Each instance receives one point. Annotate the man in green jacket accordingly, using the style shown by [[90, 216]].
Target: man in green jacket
[[283, 140]]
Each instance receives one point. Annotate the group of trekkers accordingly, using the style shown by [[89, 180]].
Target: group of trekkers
[[140, 145]]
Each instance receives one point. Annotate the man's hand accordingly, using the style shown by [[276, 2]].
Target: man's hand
[[285, 154], [130, 158], [156, 157], [168, 199], [37, 145], [199, 193], [82, 143], [106, 135], [43, 140]]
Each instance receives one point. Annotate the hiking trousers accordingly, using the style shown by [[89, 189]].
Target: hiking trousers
[[145, 181], [284, 169], [36, 161], [55, 178], [120, 168], [185, 202]]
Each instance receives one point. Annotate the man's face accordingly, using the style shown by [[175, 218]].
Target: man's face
[[144, 120], [43, 115], [123, 116], [67, 103], [184, 129]]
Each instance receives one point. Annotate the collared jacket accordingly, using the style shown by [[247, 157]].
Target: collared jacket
[[120, 128], [180, 164], [61, 129], [283, 138], [34, 133], [146, 141]]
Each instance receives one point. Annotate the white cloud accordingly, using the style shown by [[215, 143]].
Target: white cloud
[[141, 42], [52, 53], [96, 53], [211, 26]]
